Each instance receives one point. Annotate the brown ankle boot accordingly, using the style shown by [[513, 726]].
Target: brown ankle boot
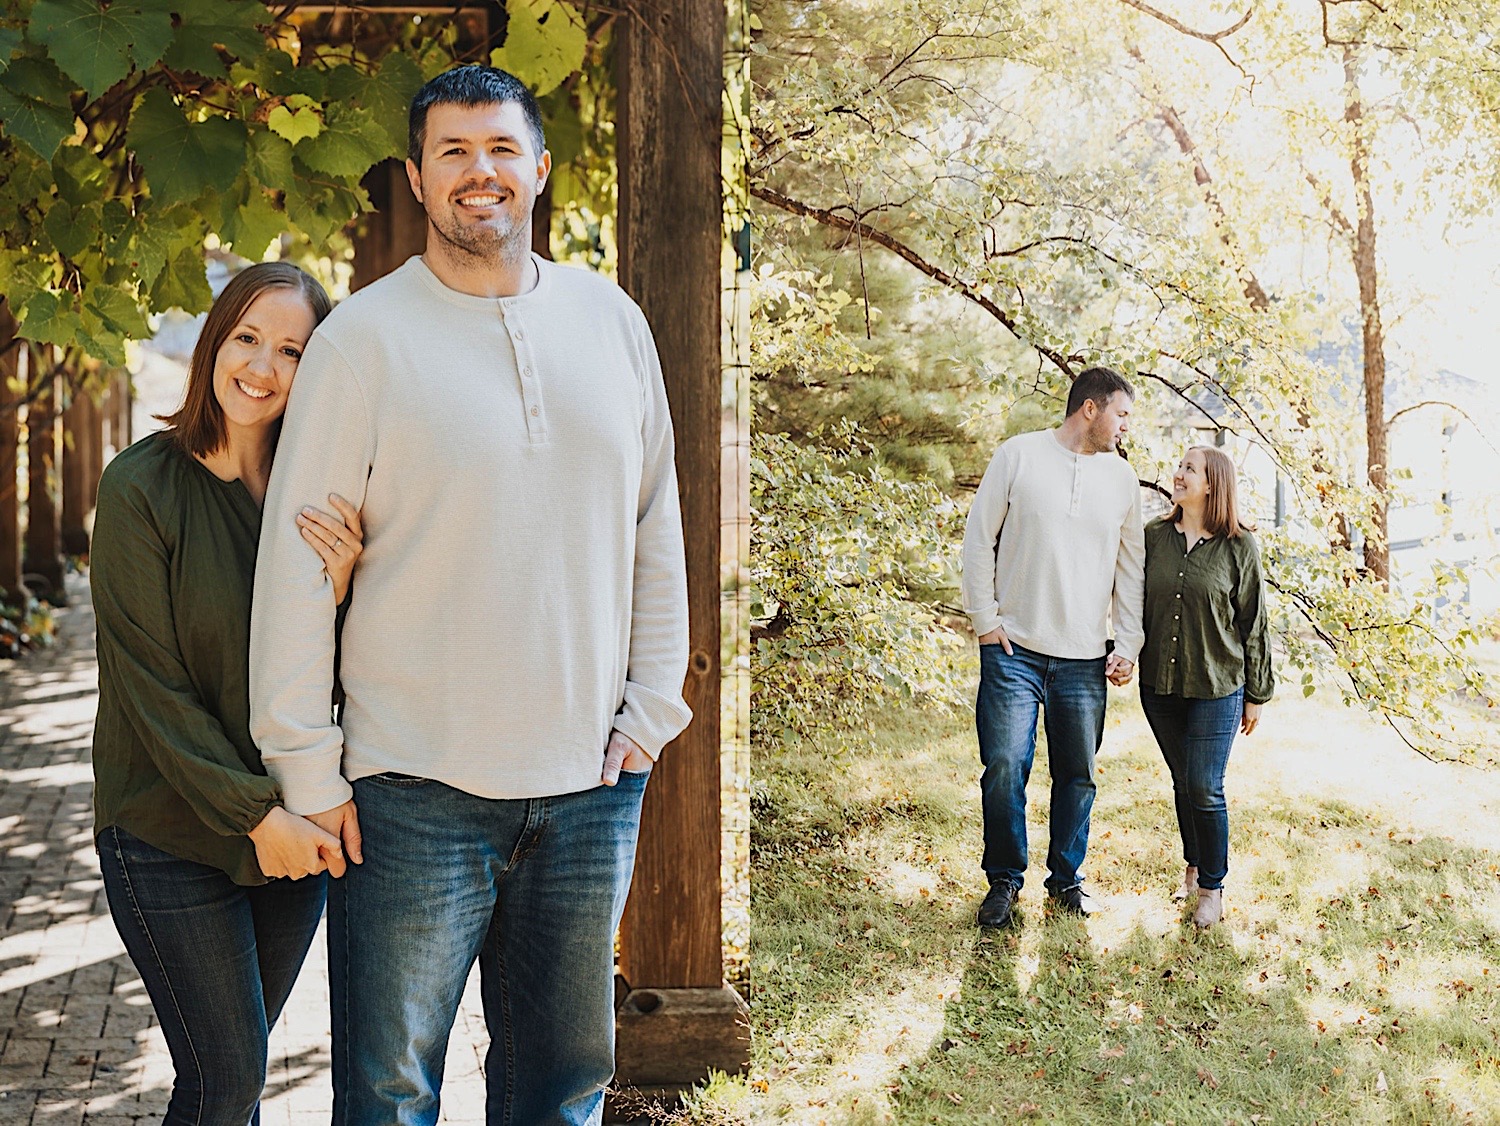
[[1210, 907], [1189, 887]]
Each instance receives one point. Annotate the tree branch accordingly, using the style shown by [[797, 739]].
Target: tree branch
[[1212, 37]]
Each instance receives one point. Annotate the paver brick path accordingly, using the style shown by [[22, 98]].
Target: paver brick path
[[78, 1041]]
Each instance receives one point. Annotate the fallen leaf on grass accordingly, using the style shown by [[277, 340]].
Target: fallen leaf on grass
[[1113, 1053], [1206, 1077], [1381, 1087]]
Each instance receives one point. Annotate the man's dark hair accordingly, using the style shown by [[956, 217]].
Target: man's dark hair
[[471, 85], [1098, 384]]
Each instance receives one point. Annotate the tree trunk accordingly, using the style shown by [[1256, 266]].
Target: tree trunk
[[11, 368], [1377, 545], [77, 467]]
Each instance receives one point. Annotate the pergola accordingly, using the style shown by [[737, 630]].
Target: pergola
[[676, 1017]]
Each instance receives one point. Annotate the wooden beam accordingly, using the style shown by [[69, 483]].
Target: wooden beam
[[670, 58], [75, 471], [43, 538], [12, 378]]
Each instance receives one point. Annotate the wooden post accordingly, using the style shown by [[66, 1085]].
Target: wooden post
[[13, 370], [93, 441], [395, 230], [678, 1018], [43, 538], [77, 468], [124, 400]]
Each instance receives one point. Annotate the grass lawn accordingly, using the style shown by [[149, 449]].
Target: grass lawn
[[1356, 977]]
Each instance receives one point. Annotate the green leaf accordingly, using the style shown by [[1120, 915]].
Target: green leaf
[[80, 175], [318, 209], [118, 310], [564, 129], [301, 125], [251, 219], [207, 25], [10, 39], [50, 318], [183, 284], [98, 46], [269, 159], [65, 230], [387, 95], [183, 159], [22, 275], [276, 74], [351, 142], [544, 43], [36, 105]]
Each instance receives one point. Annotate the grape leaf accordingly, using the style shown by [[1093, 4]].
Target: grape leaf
[[182, 159], [66, 233], [250, 220], [301, 125], [36, 105], [207, 25], [50, 318], [350, 143], [10, 39], [270, 159], [276, 73], [388, 95], [96, 46], [183, 284], [81, 176], [119, 310], [318, 209], [22, 275], [544, 43]]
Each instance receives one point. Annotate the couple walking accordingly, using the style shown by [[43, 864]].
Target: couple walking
[[1054, 535], [510, 653]]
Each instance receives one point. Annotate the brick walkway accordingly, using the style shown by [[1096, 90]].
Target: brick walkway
[[78, 1042]]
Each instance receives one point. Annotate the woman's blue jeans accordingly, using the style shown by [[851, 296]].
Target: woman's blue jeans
[[1071, 694], [532, 888], [1195, 737], [218, 961]]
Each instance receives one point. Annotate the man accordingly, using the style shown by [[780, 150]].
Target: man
[[1054, 531], [513, 660]]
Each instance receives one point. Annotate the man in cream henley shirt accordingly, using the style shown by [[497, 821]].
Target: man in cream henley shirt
[[517, 632], [1054, 538]]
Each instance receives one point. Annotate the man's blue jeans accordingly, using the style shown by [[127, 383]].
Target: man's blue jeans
[[1012, 687], [532, 888], [218, 961], [1195, 737]]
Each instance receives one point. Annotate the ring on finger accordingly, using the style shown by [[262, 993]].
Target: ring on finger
[[337, 542]]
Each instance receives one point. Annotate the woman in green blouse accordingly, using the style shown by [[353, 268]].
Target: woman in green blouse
[[1206, 664], [215, 888]]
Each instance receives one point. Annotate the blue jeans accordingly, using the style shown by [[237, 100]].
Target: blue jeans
[[532, 888], [1011, 690], [218, 961], [1195, 737]]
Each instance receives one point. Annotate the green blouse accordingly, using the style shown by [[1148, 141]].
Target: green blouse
[[172, 566], [1206, 627]]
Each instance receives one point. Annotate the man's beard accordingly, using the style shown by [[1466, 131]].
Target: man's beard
[[482, 241], [1103, 440]]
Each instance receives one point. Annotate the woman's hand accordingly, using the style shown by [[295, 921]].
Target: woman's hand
[[337, 542], [1251, 718], [292, 846]]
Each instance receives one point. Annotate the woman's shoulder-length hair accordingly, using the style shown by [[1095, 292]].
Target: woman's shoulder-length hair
[[1221, 513]]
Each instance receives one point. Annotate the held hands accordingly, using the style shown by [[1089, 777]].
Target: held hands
[[292, 846], [342, 823], [623, 753], [1118, 671], [337, 542], [1251, 718]]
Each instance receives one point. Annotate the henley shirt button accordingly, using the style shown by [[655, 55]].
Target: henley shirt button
[[533, 411], [1174, 660], [517, 334]]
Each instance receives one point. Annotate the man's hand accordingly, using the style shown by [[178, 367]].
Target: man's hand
[[623, 753], [293, 847], [1118, 671], [997, 636], [1251, 718], [343, 822]]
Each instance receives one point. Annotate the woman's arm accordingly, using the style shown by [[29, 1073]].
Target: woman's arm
[[139, 652], [1253, 625], [338, 542]]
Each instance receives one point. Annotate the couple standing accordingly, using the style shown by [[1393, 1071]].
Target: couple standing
[[511, 661], [1054, 535]]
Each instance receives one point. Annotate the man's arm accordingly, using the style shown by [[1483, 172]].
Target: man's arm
[[325, 446], [1130, 585], [654, 712], [981, 536]]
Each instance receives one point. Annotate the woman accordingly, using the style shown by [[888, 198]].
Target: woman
[[215, 888], [1206, 665]]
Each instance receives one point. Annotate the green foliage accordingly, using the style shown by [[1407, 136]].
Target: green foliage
[[132, 131], [960, 206], [846, 563]]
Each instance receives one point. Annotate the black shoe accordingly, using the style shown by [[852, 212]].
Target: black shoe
[[996, 908], [1070, 901]]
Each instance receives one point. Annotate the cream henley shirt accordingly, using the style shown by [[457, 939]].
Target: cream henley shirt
[[522, 589], [1051, 536]]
